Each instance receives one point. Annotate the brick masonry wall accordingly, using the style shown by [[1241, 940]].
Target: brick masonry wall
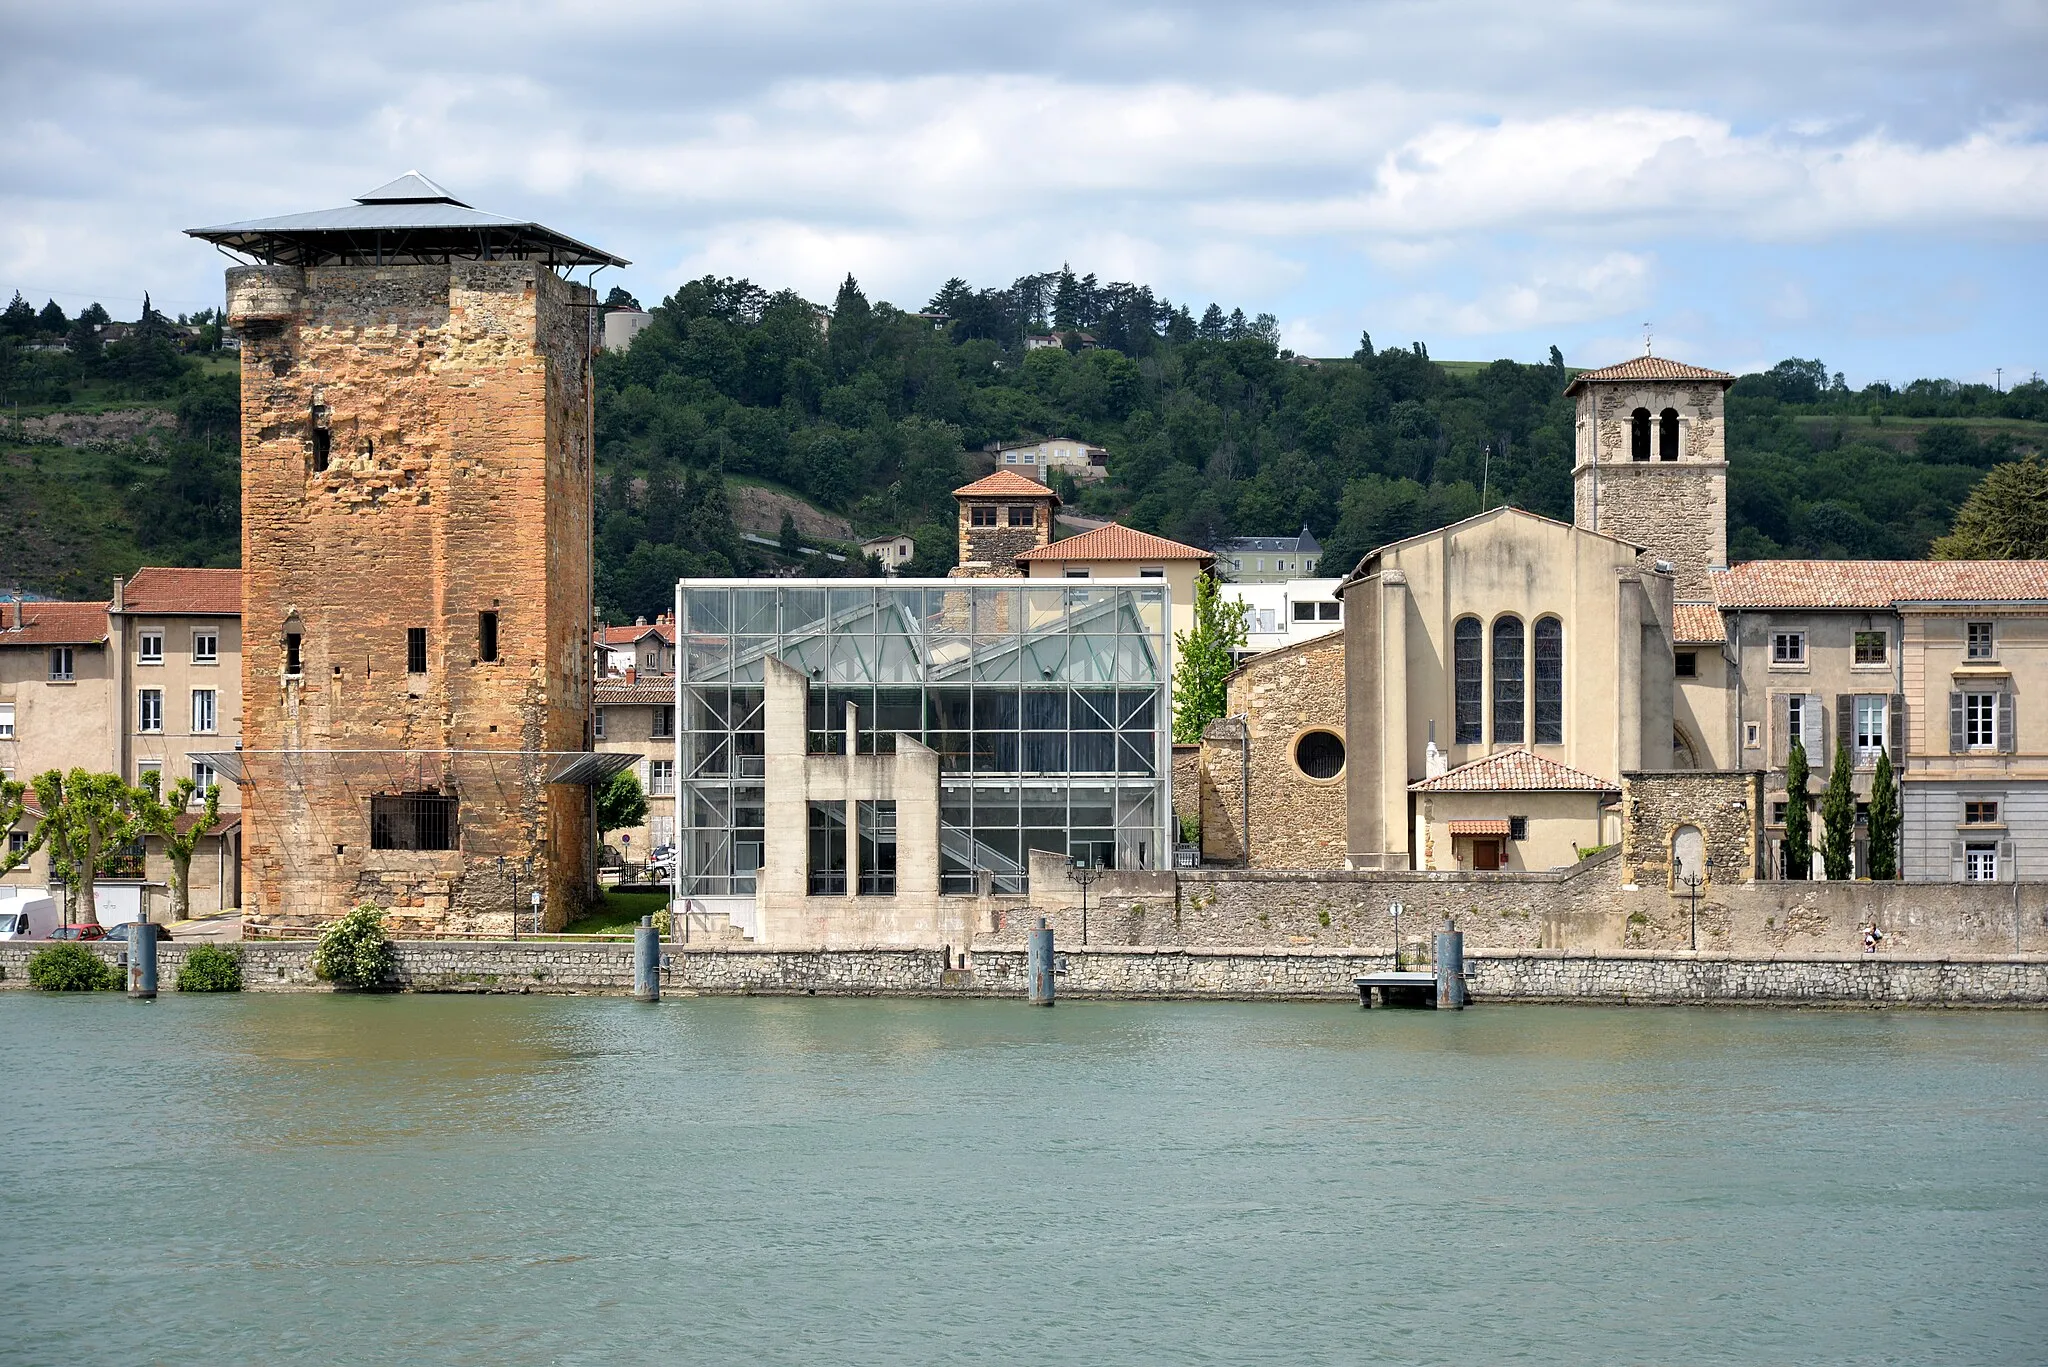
[[999, 546], [1297, 822], [1141, 972], [1724, 807], [457, 401]]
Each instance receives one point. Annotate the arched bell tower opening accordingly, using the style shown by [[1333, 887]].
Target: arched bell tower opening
[[1651, 462]]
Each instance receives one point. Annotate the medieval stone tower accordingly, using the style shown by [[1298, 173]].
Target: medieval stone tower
[[1651, 464], [416, 542]]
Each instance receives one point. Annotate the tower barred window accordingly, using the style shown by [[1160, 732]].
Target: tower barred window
[[1549, 647], [1468, 681], [1507, 680]]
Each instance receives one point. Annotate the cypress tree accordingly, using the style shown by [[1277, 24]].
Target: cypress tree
[[1798, 821], [1838, 821], [1884, 820]]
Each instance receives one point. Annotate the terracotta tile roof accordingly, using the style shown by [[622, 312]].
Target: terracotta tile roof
[[625, 636], [1513, 771], [660, 692], [1117, 542], [1496, 825], [1853, 584], [202, 593], [1647, 368], [1005, 484], [54, 624], [1697, 624]]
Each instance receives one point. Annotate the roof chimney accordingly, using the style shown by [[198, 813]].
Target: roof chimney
[[639, 621], [117, 604], [16, 624], [629, 673]]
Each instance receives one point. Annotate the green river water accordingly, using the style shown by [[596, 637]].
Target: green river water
[[319, 1179]]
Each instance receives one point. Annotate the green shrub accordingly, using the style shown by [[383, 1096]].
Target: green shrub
[[355, 951], [211, 968], [71, 968]]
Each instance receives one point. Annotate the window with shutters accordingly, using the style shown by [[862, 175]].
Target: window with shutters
[[1795, 722], [1508, 700], [1872, 733], [1549, 644], [1468, 681], [1980, 721], [1980, 862]]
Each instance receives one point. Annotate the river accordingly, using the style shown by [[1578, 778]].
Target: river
[[494, 1180]]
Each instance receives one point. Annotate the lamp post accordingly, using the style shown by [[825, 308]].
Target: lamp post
[[1694, 880], [1084, 873], [1395, 908]]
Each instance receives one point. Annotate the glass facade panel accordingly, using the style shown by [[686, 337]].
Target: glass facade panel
[[1003, 681]]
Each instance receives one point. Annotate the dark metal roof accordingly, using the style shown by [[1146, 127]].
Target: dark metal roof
[[1304, 542], [410, 221]]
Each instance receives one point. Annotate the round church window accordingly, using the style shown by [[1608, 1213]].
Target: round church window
[[1319, 754]]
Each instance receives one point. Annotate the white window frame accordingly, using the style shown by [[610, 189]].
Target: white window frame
[[210, 655], [149, 711], [1980, 718], [1871, 744], [661, 778], [144, 767], [1752, 736], [1788, 650], [204, 776], [1795, 722], [6, 721], [597, 722], [205, 712], [63, 665], [1980, 862], [1976, 649], [149, 648]]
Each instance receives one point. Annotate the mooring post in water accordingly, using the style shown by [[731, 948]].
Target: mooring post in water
[[646, 961], [142, 959], [1038, 964], [1450, 968]]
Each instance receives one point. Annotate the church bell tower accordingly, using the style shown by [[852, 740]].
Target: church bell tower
[[1651, 462]]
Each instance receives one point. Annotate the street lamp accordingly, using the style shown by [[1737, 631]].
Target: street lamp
[[1084, 873], [1694, 879]]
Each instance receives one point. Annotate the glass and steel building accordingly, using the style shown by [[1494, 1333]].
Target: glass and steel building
[[1047, 704]]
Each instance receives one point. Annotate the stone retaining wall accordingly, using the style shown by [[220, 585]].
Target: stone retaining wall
[[1142, 972]]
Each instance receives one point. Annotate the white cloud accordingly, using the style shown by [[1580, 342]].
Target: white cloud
[[1568, 290]]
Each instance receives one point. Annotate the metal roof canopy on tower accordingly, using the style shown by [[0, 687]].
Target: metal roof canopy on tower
[[411, 221]]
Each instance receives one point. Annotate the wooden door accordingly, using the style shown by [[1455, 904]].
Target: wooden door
[[1486, 854]]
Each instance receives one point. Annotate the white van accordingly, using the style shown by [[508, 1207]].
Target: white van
[[27, 913]]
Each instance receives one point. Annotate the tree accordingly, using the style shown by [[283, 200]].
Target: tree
[[2004, 518], [13, 807], [1798, 821], [86, 817], [1201, 672], [788, 539], [1884, 820], [620, 803], [1838, 821], [159, 817], [620, 299]]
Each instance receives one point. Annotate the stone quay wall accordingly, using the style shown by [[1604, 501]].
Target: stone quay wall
[[1144, 972], [1589, 909]]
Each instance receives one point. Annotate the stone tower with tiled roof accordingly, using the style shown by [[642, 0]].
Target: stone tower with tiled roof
[[1002, 516], [1651, 462]]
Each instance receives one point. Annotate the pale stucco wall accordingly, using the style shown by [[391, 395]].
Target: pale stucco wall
[[1559, 824]]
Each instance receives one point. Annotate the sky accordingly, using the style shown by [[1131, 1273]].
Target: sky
[[1863, 182]]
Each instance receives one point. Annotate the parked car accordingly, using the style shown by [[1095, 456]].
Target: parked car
[[124, 932], [93, 931]]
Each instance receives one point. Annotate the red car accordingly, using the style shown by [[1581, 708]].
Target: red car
[[95, 931]]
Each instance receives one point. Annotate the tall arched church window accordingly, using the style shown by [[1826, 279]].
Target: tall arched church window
[[1507, 680], [1639, 434], [1667, 434], [1549, 648], [1468, 681]]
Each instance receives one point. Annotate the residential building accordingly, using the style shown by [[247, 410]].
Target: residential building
[[646, 647], [1045, 458], [894, 552], [635, 716], [1932, 662], [1286, 613], [1270, 559], [1119, 552], [1045, 341], [416, 493], [149, 681]]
